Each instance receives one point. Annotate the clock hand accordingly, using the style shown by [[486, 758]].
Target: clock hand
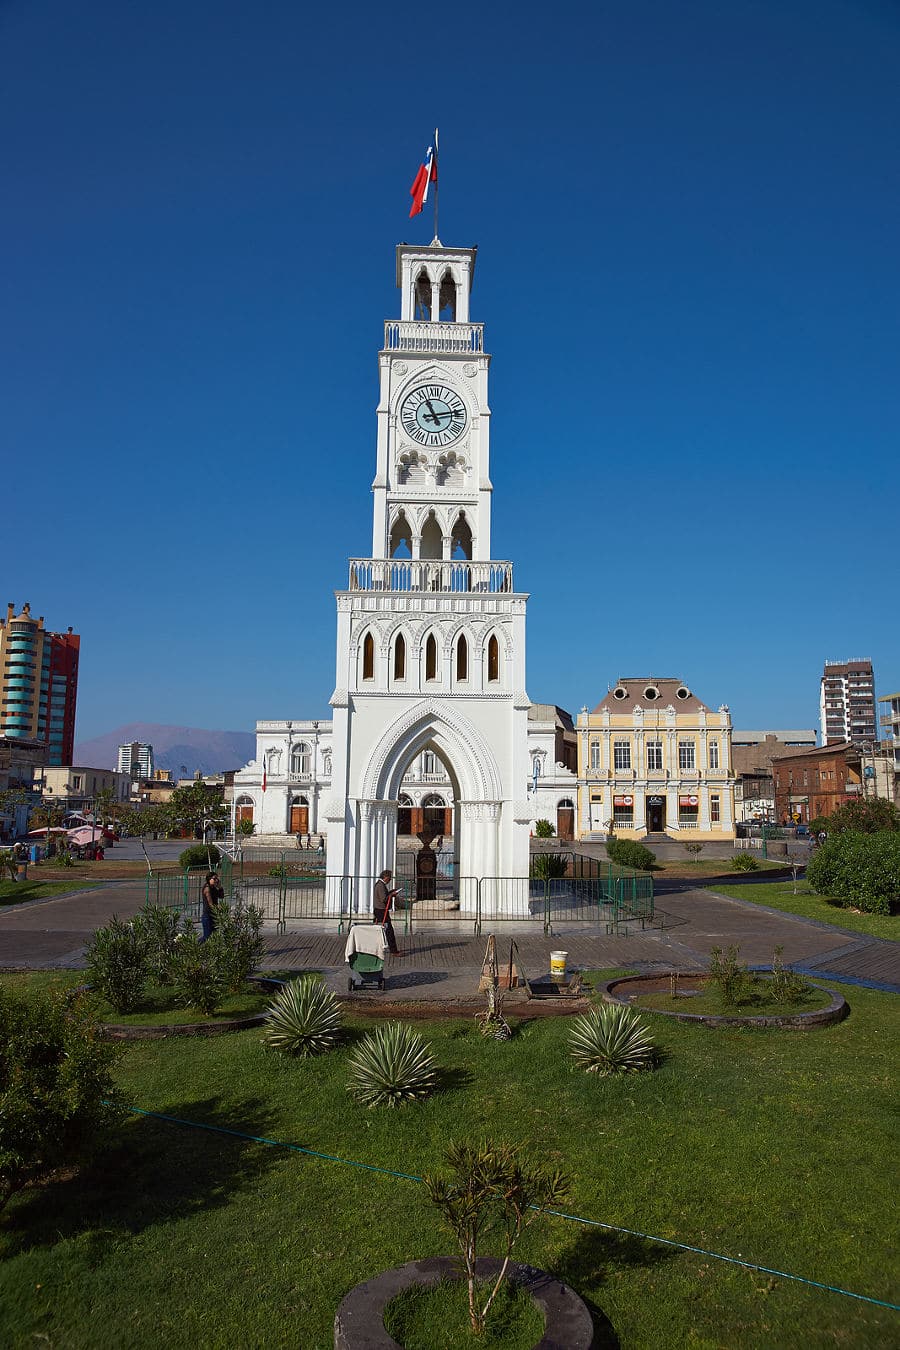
[[435, 417]]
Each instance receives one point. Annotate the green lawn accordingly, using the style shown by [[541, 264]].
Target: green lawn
[[773, 1146], [780, 895], [16, 892]]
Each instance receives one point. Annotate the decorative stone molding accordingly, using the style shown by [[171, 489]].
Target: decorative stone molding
[[473, 756], [481, 811]]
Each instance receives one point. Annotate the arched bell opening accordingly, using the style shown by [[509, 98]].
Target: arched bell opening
[[422, 295], [401, 537], [461, 538], [447, 298], [432, 541]]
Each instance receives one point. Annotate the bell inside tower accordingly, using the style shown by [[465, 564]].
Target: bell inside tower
[[422, 296], [447, 298]]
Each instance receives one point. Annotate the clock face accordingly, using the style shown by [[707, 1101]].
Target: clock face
[[433, 415]]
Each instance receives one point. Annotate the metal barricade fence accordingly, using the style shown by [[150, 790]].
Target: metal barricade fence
[[288, 892]]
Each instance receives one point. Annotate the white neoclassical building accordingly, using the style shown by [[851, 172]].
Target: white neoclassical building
[[429, 709]]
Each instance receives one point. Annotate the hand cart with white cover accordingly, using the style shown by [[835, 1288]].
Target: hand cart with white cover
[[365, 953]]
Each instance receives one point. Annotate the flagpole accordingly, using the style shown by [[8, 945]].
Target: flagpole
[[436, 183]]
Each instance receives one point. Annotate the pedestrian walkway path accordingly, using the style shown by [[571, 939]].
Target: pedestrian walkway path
[[688, 924]]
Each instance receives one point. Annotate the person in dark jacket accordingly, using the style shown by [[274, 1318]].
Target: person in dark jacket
[[382, 899], [213, 891]]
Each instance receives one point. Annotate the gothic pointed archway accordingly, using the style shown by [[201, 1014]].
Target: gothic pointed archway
[[473, 772]]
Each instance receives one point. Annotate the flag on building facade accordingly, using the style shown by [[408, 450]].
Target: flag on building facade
[[264, 774], [427, 174]]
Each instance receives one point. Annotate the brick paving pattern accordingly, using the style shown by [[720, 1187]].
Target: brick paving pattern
[[688, 923]]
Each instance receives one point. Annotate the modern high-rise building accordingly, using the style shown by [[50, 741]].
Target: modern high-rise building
[[847, 702], [136, 759], [39, 683]]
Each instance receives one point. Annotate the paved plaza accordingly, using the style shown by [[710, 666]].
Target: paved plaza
[[443, 960]]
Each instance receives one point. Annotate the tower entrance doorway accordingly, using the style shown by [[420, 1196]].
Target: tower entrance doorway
[[656, 815]]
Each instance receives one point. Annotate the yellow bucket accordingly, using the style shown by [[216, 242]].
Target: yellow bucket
[[558, 964]]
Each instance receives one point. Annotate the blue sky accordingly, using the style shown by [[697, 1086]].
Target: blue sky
[[687, 220]]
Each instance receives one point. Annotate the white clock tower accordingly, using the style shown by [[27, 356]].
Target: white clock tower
[[430, 630]]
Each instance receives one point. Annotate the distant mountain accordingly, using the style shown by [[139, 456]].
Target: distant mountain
[[184, 750]]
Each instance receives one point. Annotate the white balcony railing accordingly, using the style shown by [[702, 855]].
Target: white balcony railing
[[422, 336], [413, 574]]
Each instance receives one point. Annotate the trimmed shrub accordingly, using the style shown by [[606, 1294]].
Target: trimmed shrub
[[118, 963], [246, 827], [303, 1019], [57, 1094], [392, 1065], [199, 855], [543, 829], [611, 1040], [195, 971], [161, 929], [861, 871], [545, 866], [629, 853], [744, 862], [236, 942]]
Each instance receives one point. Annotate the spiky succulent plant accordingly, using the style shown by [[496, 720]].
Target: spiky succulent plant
[[303, 1019], [611, 1039], [391, 1065]]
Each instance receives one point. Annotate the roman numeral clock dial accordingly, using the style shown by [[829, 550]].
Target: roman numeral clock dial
[[433, 416]]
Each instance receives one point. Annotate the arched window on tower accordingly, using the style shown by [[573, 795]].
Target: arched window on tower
[[368, 659], [432, 541], [401, 537], [493, 659], [431, 658], [462, 658], [447, 299], [461, 539], [400, 658], [422, 295]]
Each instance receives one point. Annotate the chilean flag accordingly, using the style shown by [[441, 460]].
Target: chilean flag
[[264, 774], [427, 174]]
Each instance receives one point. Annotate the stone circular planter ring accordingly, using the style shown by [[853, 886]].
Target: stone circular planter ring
[[617, 991], [359, 1320], [127, 1031]]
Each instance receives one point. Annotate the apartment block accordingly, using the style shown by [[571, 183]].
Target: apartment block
[[847, 702], [38, 683], [136, 759]]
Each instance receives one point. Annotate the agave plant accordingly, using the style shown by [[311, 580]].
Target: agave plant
[[391, 1065], [303, 1018], [612, 1039]]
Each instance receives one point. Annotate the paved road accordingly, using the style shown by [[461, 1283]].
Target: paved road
[[689, 923]]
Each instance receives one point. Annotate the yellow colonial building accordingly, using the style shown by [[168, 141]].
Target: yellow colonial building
[[656, 762]]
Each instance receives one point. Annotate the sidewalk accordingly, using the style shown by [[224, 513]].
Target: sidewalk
[[54, 932]]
